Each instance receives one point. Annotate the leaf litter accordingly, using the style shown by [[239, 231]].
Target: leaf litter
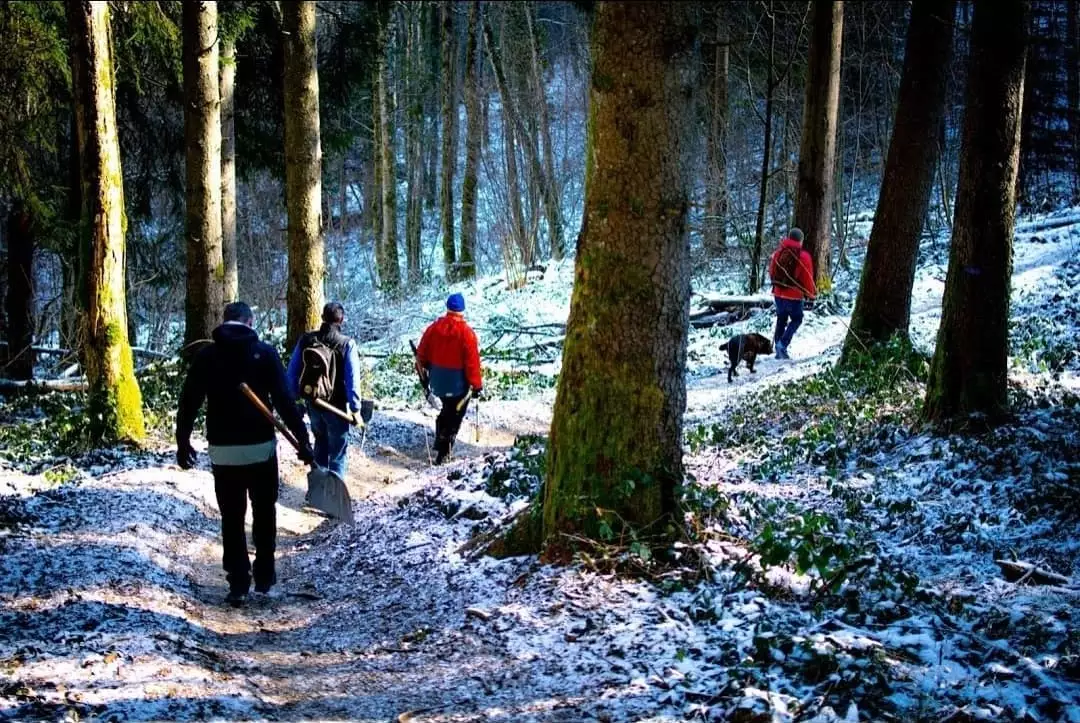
[[111, 592]]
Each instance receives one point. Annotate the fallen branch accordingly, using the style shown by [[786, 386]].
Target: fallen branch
[[52, 385], [1020, 572]]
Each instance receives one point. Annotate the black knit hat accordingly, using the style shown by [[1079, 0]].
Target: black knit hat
[[796, 234]]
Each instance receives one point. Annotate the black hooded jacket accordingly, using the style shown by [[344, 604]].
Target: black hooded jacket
[[236, 356]]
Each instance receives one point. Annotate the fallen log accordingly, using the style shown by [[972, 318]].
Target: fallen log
[[1017, 571], [52, 385], [704, 322], [57, 351]]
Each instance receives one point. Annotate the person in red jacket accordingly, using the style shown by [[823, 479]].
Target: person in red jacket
[[792, 272], [450, 357]]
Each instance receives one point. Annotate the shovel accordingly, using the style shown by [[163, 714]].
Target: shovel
[[326, 491]]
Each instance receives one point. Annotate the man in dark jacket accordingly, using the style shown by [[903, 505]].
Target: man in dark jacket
[[792, 272], [450, 357], [243, 447], [330, 431]]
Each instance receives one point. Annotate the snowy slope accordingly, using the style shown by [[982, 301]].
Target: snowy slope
[[110, 587]]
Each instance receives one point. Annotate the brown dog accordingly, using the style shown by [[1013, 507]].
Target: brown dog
[[746, 347]]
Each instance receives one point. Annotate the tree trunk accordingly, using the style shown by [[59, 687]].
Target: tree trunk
[[817, 154], [553, 197], [202, 138], [19, 364], [551, 202], [969, 371], [227, 83], [1073, 92], [449, 136], [414, 119], [716, 143], [615, 451], [513, 182], [303, 170], [883, 307], [115, 403], [473, 138], [389, 271], [754, 282]]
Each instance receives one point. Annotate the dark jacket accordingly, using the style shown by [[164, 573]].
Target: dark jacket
[[236, 356], [346, 394]]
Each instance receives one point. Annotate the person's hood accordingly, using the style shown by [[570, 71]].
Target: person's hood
[[790, 243], [234, 333]]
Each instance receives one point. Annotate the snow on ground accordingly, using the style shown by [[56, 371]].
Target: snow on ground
[[111, 592]]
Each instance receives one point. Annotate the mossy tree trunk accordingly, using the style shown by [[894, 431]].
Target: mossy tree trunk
[[817, 153], [389, 271], [448, 51], [615, 451], [969, 371], [303, 169], [227, 86], [202, 139], [115, 405], [883, 306], [474, 130], [19, 362]]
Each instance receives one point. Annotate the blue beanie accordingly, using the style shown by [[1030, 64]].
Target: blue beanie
[[455, 302]]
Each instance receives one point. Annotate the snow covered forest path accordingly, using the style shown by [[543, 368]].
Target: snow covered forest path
[[111, 590]]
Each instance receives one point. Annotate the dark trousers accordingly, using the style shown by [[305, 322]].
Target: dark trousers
[[233, 486], [789, 313], [448, 422]]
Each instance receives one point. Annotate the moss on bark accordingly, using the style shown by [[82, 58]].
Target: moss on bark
[[115, 401], [615, 447]]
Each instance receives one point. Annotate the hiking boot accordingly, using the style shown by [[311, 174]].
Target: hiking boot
[[441, 457], [263, 586], [781, 351], [236, 598]]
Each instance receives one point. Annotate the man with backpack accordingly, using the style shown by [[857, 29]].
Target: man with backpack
[[449, 357], [325, 366], [243, 449], [792, 273]]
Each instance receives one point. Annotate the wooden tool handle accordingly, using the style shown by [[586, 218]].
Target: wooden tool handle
[[327, 407], [465, 399], [251, 395]]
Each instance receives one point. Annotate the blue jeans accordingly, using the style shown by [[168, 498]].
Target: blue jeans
[[788, 319], [331, 440]]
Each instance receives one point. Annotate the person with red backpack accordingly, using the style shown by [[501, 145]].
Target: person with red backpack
[[325, 366], [792, 273], [449, 357]]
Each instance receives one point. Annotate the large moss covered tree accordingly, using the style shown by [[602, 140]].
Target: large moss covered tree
[[969, 372], [615, 452], [115, 401]]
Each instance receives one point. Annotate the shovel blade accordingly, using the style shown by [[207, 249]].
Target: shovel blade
[[327, 492]]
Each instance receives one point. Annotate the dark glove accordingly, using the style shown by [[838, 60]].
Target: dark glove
[[367, 409], [305, 454], [185, 455], [478, 394]]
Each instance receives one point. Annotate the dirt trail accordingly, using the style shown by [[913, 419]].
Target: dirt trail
[[365, 624]]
